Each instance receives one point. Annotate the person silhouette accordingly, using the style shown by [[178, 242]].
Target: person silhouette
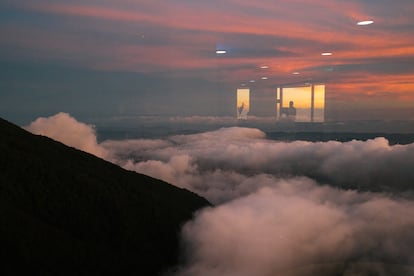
[[292, 109], [240, 108]]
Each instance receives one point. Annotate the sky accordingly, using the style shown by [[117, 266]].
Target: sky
[[100, 60]]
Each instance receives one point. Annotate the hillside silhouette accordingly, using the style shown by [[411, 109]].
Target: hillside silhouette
[[66, 212]]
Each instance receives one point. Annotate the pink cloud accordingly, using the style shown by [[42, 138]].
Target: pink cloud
[[303, 28], [66, 129]]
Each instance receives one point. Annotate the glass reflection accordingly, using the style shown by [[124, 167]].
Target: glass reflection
[[243, 103], [302, 103]]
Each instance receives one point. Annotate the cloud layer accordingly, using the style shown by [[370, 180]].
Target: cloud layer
[[282, 208], [220, 164], [298, 226]]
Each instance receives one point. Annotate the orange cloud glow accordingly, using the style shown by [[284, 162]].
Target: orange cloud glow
[[180, 39]]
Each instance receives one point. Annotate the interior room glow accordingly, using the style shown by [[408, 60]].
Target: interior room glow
[[301, 103], [243, 103]]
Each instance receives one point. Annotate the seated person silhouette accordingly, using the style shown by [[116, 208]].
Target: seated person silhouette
[[289, 112], [291, 109]]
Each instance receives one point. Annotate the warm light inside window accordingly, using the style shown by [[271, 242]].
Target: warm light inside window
[[301, 103], [243, 102]]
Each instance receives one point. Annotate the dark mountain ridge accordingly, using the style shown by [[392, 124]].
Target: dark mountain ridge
[[66, 212]]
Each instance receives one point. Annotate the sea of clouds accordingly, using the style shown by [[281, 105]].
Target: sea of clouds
[[281, 208]]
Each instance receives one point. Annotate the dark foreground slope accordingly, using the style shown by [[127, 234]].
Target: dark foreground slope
[[63, 211]]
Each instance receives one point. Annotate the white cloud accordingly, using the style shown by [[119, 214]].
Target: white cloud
[[281, 206], [275, 216], [220, 161], [66, 129], [295, 225]]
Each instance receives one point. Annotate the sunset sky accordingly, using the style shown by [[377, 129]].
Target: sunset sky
[[105, 59]]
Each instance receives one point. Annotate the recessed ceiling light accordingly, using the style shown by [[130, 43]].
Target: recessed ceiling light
[[264, 67], [221, 52], [243, 84], [252, 81], [327, 54], [295, 73], [365, 22], [264, 78]]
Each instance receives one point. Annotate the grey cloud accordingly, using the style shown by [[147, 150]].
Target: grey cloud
[[365, 165], [279, 210], [300, 226], [216, 164]]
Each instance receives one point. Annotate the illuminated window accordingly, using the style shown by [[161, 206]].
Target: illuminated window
[[301, 103], [243, 103]]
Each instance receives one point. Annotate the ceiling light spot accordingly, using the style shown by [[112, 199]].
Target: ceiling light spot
[[295, 73], [264, 78], [327, 54], [264, 67], [221, 52], [252, 81], [365, 22]]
